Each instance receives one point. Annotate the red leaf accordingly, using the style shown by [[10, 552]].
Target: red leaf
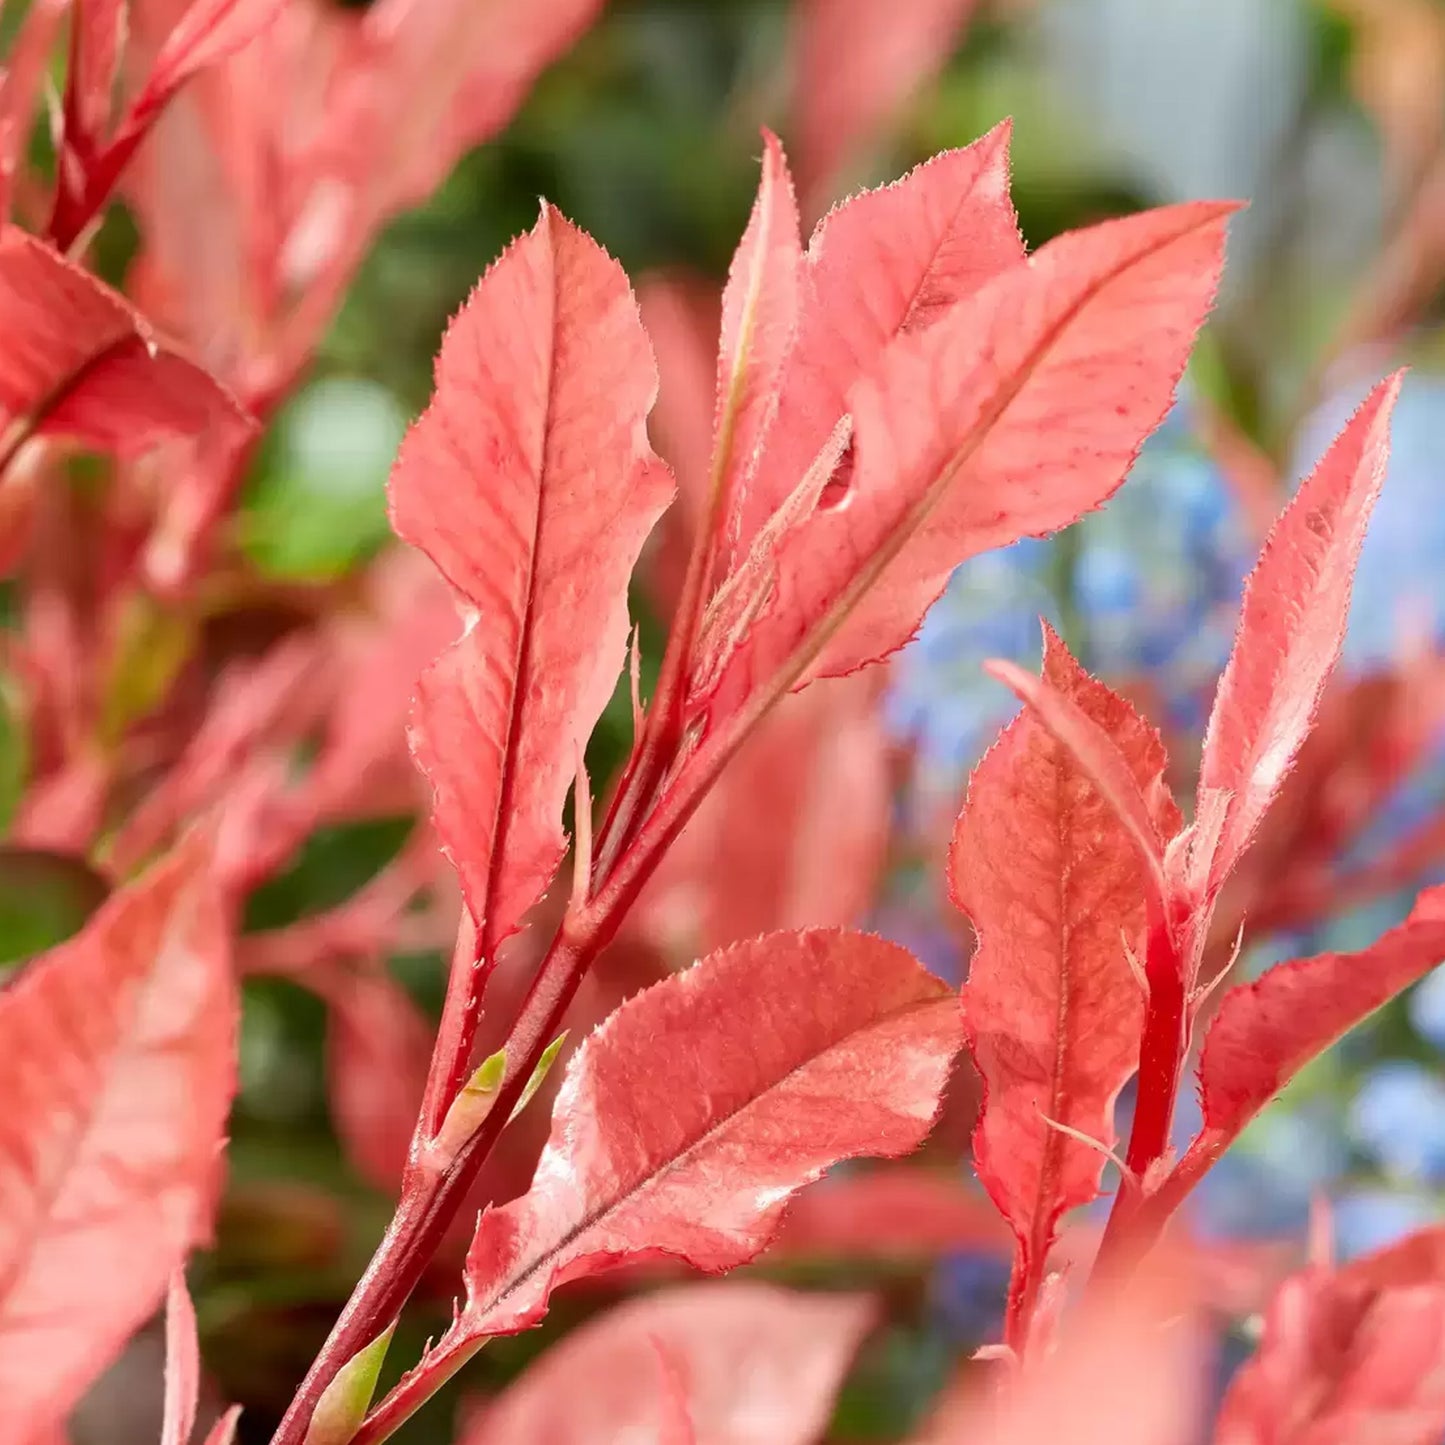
[[742, 868], [1296, 604], [1014, 413], [379, 657], [758, 1365], [97, 41], [458, 69], [80, 362], [117, 1064], [675, 1418], [1123, 1373], [1052, 882], [857, 62], [884, 263], [183, 1364], [688, 1119], [255, 286], [682, 318], [1098, 757], [254, 705], [683, 321], [377, 1055], [207, 33], [900, 1213], [1348, 1355], [530, 484], [759, 320], [223, 1432], [1266, 1031], [24, 73], [93, 152]]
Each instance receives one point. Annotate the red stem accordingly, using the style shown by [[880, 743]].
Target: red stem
[[1162, 1050], [1023, 1293], [452, 1051], [430, 1202]]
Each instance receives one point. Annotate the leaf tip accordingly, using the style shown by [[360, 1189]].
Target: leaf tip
[[345, 1401]]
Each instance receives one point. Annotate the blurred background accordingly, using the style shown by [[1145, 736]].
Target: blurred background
[[1328, 117]]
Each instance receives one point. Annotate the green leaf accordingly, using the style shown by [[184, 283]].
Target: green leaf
[[153, 644], [14, 754], [45, 897], [467, 1111], [539, 1074], [345, 1401]]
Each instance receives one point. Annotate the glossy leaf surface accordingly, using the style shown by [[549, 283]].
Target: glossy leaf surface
[[687, 1121]]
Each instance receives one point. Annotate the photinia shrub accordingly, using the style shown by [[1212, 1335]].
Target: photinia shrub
[[906, 389]]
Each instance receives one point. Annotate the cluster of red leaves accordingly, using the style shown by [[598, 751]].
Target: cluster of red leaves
[[906, 389]]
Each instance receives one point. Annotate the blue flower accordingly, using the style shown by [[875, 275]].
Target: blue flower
[[968, 1294], [1427, 1008], [1398, 1118], [1367, 1219], [1152, 581]]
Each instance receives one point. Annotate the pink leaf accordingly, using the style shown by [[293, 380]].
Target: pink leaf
[[118, 1066], [856, 62], [675, 1418], [1100, 760], [207, 33], [223, 1432], [378, 656], [1052, 882], [1124, 1373], [460, 68], [183, 1364], [1011, 415], [759, 320], [254, 705], [902, 1212], [295, 151], [687, 1121], [97, 42], [1266, 1031], [1355, 1354], [24, 74], [79, 362], [884, 263], [377, 1055], [683, 320], [530, 484], [739, 868], [756, 1365], [1296, 604]]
